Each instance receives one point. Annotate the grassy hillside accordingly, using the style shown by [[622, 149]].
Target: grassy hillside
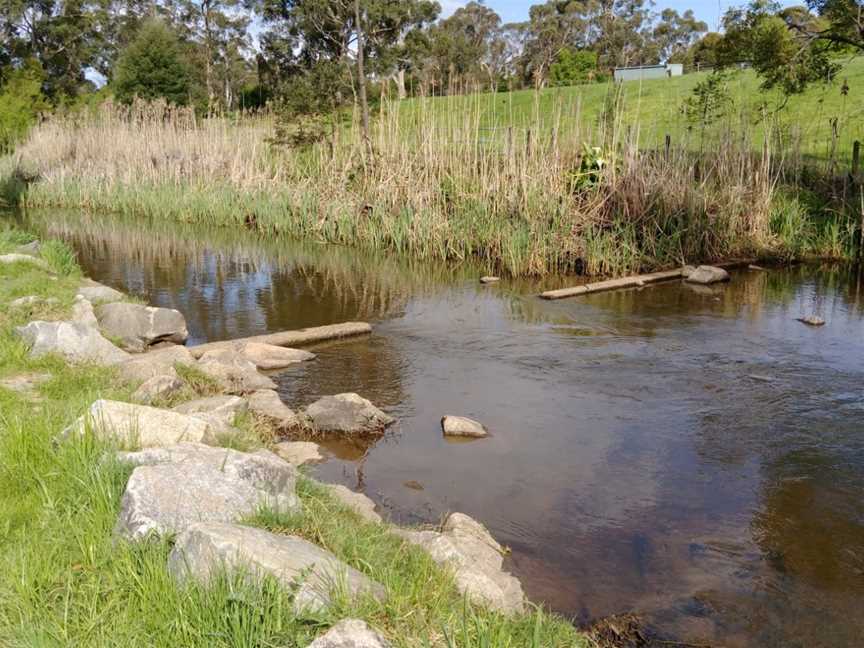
[[656, 107]]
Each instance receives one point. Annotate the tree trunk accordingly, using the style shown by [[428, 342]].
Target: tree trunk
[[361, 81], [400, 83]]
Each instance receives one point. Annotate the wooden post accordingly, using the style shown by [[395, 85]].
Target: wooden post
[[510, 142], [668, 145], [528, 143], [856, 160]]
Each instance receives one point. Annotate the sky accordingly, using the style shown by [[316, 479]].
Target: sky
[[707, 10]]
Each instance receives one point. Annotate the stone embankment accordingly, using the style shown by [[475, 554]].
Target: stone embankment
[[184, 485]]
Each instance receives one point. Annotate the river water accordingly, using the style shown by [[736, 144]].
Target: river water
[[694, 455]]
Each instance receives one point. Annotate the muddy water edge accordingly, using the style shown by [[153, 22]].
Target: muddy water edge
[[693, 455]]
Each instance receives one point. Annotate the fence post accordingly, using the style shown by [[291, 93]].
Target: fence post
[[856, 160], [528, 143], [668, 145]]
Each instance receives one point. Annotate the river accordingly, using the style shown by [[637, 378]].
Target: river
[[694, 455]]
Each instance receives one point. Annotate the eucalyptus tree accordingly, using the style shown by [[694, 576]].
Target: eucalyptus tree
[[466, 45]]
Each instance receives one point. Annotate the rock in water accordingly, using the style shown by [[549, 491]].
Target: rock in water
[[267, 404], [347, 414], [98, 293], [268, 357], [158, 362], [489, 279], [75, 341], [298, 453], [463, 426], [226, 408], [707, 275], [205, 549], [147, 324], [350, 633], [476, 559], [157, 387], [140, 425], [233, 372], [357, 502], [175, 487], [811, 320]]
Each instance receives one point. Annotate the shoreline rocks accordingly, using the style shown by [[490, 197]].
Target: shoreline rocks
[[147, 325], [234, 373], [75, 341], [266, 404], [268, 357], [298, 453], [350, 633], [98, 293], [705, 275], [357, 502], [348, 414]]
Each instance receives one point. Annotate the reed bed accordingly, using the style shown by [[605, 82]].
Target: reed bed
[[441, 185]]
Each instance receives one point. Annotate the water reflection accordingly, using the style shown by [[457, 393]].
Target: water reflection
[[693, 454]]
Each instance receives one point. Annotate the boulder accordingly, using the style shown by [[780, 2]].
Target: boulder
[[489, 279], [298, 453], [687, 270], [267, 404], [24, 383], [234, 373], [97, 293], [82, 311], [140, 425], [706, 275], [268, 357], [350, 633], [226, 408], [357, 502], [16, 257], [463, 427], [811, 320], [158, 362], [157, 387], [75, 341], [145, 323], [175, 487], [205, 549], [465, 546], [346, 414], [33, 248], [30, 301]]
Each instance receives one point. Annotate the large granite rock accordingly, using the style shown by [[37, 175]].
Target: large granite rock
[[33, 248], [266, 404], [350, 633], [15, 257], [465, 546], [268, 357], [226, 408], [234, 373], [159, 362], [146, 324], [463, 427], [158, 387], [99, 294], [75, 341], [346, 414], [357, 502], [82, 311], [175, 487], [205, 549], [705, 275], [32, 301], [298, 452], [140, 425]]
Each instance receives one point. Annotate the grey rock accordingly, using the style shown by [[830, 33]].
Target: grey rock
[[357, 502], [298, 453], [268, 357], [465, 546], [82, 311], [205, 549], [145, 323], [707, 275], [157, 387], [75, 341], [346, 414], [33, 248], [140, 425], [489, 279], [158, 362], [234, 373], [811, 320], [687, 270], [225, 408], [30, 301], [97, 293], [267, 404], [175, 487], [350, 633], [462, 426], [24, 383], [15, 257]]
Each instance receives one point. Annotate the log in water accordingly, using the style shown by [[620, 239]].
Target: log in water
[[299, 337]]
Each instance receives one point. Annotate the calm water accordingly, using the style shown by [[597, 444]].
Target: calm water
[[693, 455]]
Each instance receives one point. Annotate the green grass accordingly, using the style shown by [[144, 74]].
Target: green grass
[[66, 581]]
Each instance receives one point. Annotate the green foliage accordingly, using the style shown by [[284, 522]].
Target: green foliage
[[21, 101], [573, 67], [709, 101], [60, 258], [153, 67]]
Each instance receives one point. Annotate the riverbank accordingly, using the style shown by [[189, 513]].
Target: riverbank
[[66, 578], [438, 190]]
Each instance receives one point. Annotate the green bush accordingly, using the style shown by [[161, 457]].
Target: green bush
[[573, 67], [153, 67], [21, 101]]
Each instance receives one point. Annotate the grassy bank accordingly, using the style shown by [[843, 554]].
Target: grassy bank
[[440, 189], [65, 580]]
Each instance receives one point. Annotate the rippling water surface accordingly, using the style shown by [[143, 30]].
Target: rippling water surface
[[692, 454]]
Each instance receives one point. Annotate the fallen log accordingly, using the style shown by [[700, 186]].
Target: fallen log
[[633, 281], [299, 337]]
